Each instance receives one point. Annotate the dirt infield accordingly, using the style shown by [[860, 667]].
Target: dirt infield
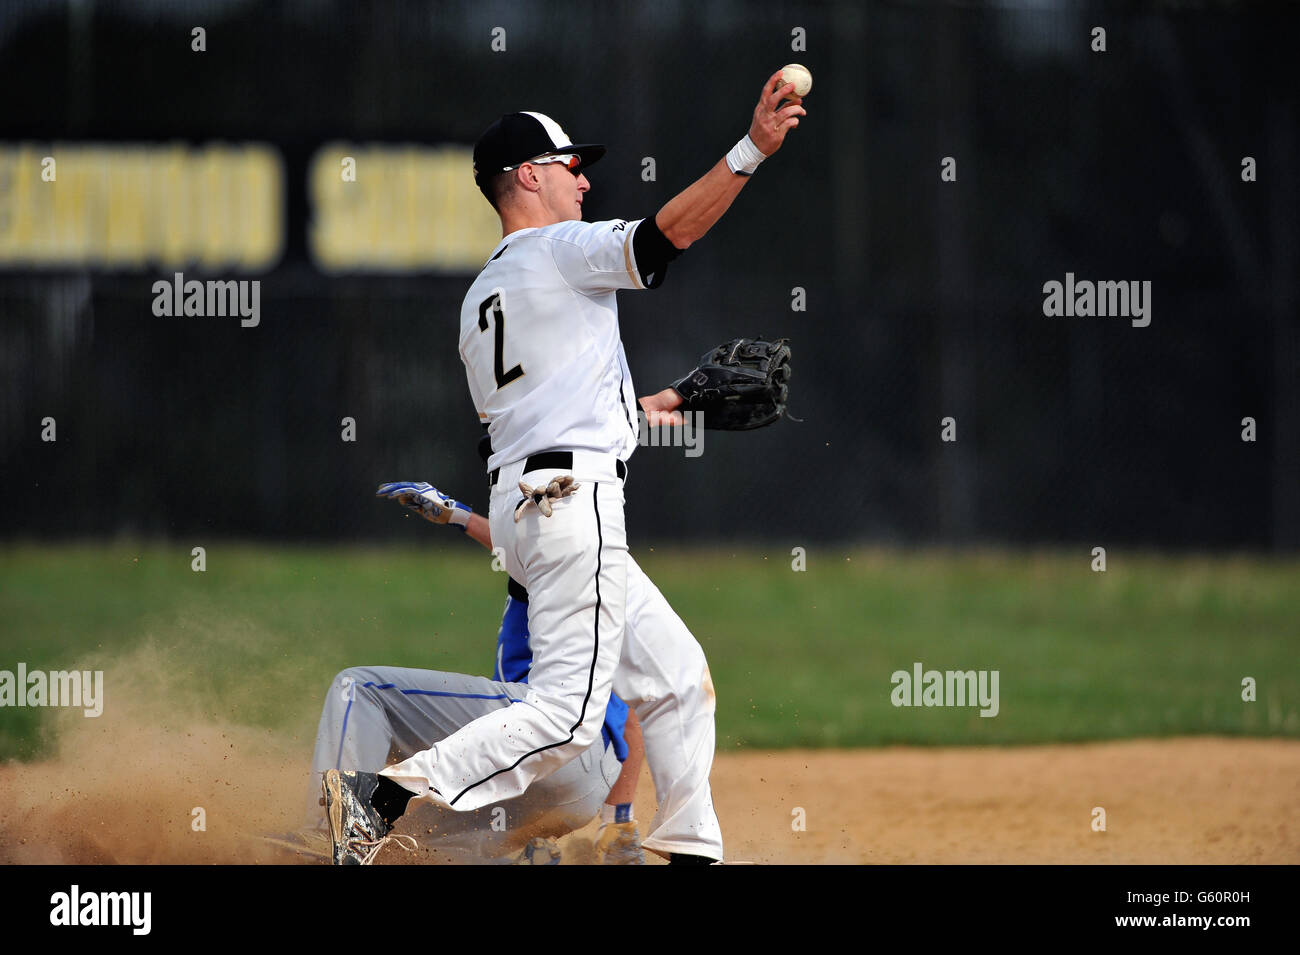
[[130, 796], [1168, 801]]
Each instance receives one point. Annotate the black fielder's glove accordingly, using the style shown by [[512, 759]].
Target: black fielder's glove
[[740, 385]]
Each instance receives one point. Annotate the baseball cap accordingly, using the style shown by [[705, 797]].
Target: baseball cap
[[518, 137]]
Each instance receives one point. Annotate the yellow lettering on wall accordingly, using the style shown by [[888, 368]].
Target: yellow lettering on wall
[[142, 206]]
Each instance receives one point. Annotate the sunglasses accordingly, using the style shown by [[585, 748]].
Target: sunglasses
[[571, 162]]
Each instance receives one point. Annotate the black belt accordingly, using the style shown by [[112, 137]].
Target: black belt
[[516, 590], [560, 460]]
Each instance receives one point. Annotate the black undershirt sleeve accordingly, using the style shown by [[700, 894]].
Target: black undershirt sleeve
[[653, 252]]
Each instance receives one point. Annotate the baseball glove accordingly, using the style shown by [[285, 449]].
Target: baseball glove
[[740, 385]]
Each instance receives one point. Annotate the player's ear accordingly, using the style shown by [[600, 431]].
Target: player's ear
[[527, 178]]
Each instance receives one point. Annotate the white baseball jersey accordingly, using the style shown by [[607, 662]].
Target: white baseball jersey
[[540, 340]]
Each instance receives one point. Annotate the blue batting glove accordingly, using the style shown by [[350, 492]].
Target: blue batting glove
[[427, 501]]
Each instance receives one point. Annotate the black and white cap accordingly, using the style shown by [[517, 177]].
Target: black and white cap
[[518, 137]]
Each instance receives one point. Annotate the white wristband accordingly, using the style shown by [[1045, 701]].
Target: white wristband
[[459, 517], [744, 157]]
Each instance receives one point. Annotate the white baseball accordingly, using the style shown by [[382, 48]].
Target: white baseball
[[797, 74]]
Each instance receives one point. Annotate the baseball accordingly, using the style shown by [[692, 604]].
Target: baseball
[[797, 74]]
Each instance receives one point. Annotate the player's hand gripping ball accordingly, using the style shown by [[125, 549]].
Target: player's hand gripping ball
[[424, 499], [797, 74], [772, 121]]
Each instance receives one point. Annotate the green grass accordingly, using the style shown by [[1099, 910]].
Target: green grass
[[1155, 646]]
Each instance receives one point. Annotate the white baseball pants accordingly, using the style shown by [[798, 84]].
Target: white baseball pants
[[581, 585]]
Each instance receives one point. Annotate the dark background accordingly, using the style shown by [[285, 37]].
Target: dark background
[[924, 297]]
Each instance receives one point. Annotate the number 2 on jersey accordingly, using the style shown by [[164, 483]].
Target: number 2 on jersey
[[493, 304]]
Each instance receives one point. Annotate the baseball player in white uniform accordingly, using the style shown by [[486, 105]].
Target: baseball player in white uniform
[[540, 341]]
